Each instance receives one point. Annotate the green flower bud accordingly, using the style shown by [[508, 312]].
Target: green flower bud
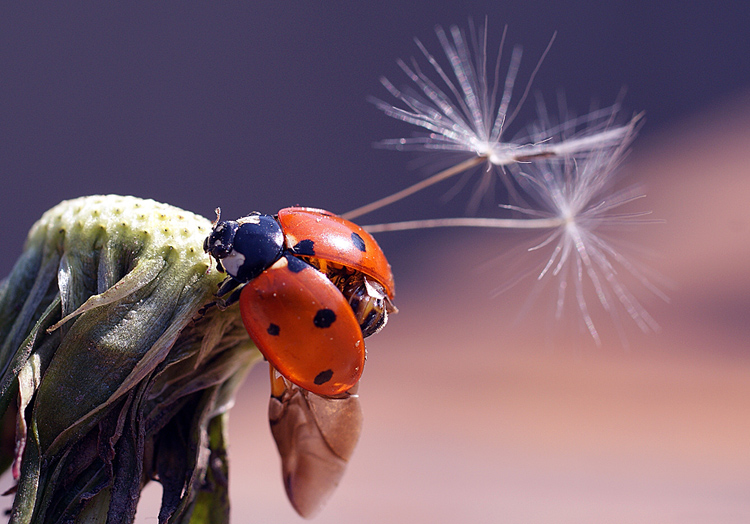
[[116, 371]]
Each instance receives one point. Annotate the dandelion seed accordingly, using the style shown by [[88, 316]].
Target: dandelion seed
[[579, 193], [466, 114], [560, 172]]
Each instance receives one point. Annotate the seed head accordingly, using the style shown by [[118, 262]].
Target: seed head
[[560, 172]]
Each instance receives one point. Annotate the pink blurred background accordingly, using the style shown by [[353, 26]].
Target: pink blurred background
[[474, 416]]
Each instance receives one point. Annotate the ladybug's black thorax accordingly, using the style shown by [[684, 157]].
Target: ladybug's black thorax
[[246, 247]]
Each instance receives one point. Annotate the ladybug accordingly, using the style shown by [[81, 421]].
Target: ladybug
[[311, 286]]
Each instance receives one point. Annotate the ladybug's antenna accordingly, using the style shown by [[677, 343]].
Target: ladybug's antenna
[[218, 215]]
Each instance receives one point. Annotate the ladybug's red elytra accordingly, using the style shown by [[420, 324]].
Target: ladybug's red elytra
[[315, 285]]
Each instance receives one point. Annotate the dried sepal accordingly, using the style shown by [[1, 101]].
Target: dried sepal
[[316, 437]]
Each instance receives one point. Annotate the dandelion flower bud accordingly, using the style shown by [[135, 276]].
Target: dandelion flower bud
[[114, 371]]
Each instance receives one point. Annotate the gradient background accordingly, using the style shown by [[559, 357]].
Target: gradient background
[[471, 414]]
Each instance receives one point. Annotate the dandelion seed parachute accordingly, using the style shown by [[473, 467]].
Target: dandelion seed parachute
[[560, 172], [580, 194], [465, 112]]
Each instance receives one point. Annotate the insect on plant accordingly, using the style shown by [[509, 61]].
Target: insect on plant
[[311, 286], [125, 322]]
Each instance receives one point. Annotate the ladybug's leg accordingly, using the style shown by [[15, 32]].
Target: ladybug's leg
[[229, 285], [203, 310], [224, 303]]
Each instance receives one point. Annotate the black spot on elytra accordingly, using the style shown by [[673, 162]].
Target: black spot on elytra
[[296, 265], [273, 330], [323, 377], [358, 242], [304, 247], [324, 318]]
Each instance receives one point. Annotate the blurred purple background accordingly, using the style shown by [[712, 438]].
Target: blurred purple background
[[259, 105], [470, 416]]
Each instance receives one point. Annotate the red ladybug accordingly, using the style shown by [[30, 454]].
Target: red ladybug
[[315, 285]]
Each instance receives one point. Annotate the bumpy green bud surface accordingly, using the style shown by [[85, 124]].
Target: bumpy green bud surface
[[115, 366]]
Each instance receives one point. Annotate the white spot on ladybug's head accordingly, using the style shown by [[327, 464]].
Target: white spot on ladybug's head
[[233, 262], [250, 219]]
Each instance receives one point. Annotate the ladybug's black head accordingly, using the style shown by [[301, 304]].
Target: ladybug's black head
[[220, 242], [245, 247]]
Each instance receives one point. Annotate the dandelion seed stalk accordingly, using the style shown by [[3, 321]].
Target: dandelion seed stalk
[[395, 197], [497, 223]]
